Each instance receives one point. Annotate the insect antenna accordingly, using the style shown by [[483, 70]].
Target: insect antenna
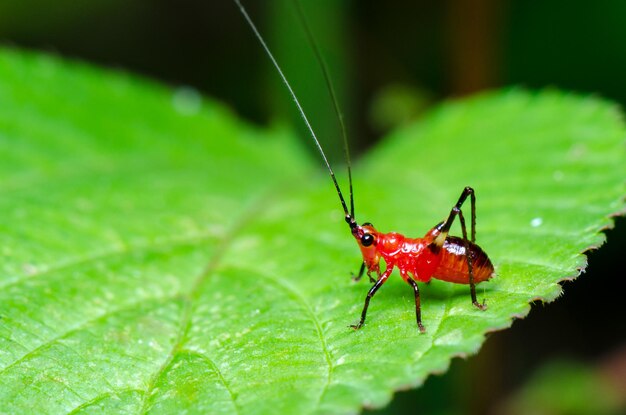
[[349, 215], [333, 95]]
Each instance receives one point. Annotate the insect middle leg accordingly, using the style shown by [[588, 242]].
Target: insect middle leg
[[416, 290], [445, 229]]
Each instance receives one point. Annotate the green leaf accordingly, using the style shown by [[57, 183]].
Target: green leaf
[[160, 256]]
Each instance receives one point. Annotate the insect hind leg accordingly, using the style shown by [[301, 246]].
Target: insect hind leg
[[481, 306], [445, 229]]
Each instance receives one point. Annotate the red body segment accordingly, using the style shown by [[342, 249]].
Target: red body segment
[[419, 259], [453, 265]]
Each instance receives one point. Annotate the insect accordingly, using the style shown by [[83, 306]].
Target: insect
[[435, 255]]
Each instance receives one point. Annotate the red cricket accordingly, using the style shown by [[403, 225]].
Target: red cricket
[[436, 255]]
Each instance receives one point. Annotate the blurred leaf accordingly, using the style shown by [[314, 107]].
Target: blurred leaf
[[396, 105], [32, 16], [565, 388], [160, 256]]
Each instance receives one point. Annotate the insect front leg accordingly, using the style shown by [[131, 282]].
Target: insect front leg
[[360, 274], [445, 229], [370, 294], [358, 277]]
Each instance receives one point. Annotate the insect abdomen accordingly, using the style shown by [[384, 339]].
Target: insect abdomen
[[453, 266]]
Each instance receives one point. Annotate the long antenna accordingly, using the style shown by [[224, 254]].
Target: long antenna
[[349, 217], [333, 95]]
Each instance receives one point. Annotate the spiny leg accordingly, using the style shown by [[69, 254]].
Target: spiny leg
[[445, 229], [470, 265], [369, 296], [418, 310]]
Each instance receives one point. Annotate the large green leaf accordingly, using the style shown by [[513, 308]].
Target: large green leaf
[[160, 256]]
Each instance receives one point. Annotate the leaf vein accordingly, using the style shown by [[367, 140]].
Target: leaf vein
[[307, 307], [108, 254], [101, 397], [81, 326], [191, 296]]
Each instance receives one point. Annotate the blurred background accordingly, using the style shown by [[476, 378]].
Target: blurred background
[[390, 62]]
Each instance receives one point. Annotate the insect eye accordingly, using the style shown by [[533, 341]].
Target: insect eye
[[367, 239]]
